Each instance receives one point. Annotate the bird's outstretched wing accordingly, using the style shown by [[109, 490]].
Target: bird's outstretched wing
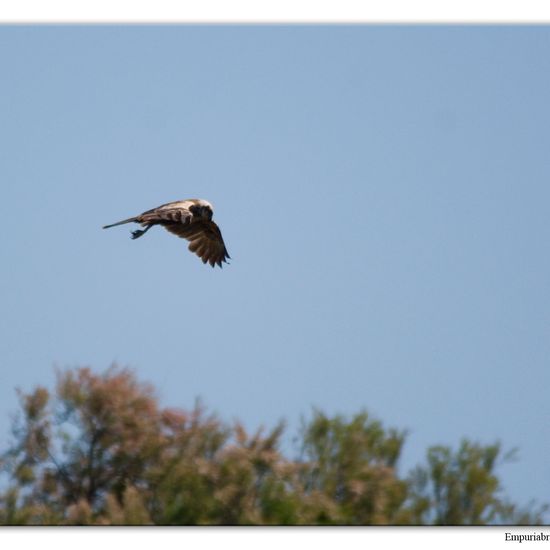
[[205, 239], [172, 213]]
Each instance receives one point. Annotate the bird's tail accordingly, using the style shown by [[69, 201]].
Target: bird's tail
[[120, 223]]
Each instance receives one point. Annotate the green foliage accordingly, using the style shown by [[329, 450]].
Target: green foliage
[[461, 488], [353, 463], [101, 451]]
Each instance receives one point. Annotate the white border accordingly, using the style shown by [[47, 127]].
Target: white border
[[275, 11], [269, 12], [268, 538]]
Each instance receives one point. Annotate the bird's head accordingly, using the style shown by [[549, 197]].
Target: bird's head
[[202, 209]]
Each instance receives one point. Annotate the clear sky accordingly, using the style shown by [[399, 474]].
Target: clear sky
[[384, 193]]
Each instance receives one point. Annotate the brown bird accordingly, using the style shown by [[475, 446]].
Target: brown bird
[[190, 219]]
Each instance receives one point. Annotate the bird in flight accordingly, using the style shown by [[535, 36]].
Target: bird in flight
[[190, 219]]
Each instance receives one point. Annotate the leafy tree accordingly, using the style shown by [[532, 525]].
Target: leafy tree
[[100, 450], [95, 439], [461, 488], [353, 464]]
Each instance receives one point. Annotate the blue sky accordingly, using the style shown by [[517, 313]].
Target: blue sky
[[383, 192]]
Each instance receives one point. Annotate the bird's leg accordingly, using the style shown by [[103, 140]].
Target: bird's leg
[[139, 232]]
